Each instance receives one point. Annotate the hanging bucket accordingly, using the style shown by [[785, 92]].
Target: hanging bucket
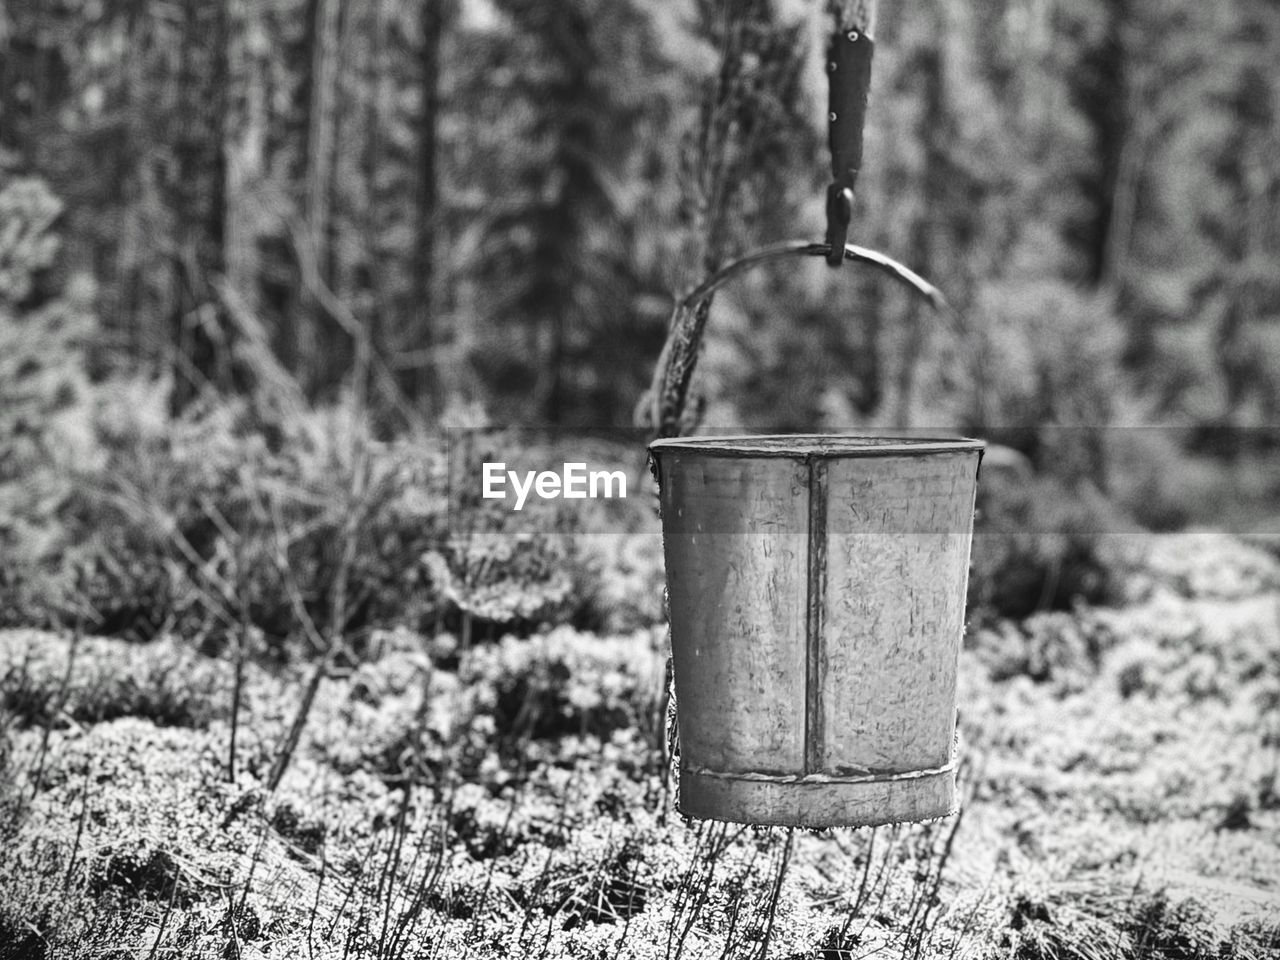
[[816, 587]]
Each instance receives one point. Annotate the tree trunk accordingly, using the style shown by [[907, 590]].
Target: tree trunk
[[321, 129], [933, 132], [245, 132], [435, 21], [195, 195], [1107, 106], [377, 95]]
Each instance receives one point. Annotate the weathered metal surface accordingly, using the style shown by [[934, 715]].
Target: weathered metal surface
[[735, 535], [898, 535], [816, 802], [816, 591]]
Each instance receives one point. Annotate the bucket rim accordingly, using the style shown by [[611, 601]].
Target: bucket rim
[[816, 446]]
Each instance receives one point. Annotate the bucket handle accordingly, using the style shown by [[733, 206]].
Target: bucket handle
[[661, 408]]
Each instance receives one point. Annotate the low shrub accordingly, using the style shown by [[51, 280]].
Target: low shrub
[[1039, 545], [627, 581], [1161, 486], [14, 801], [44, 681], [41, 915], [301, 539], [211, 523], [1087, 916], [44, 397], [505, 579], [1162, 927], [566, 683], [1062, 648], [1200, 566]]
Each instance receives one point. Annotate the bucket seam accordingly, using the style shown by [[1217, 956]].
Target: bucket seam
[[950, 767], [815, 627]]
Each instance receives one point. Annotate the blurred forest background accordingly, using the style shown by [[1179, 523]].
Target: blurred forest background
[[235, 233], [500, 196]]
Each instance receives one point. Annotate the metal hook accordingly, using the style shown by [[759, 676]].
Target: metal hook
[[839, 216]]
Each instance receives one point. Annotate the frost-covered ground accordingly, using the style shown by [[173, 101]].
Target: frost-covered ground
[[509, 800]]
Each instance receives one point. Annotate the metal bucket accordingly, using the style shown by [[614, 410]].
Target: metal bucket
[[816, 587]]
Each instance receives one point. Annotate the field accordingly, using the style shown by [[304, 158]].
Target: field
[[512, 798]]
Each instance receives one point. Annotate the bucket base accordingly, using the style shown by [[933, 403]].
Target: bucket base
[[818, 802]]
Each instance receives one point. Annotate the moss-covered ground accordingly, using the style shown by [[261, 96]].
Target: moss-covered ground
[[510, 799]]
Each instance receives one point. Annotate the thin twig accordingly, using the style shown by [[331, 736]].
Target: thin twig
[[84, 810], [64, 686], [242, 638], [776, 892], [164, 917]]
